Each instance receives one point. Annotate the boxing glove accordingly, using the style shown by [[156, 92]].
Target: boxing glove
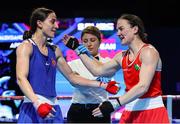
[[106, 108], [43, 109], [112, 87], [73, 44]]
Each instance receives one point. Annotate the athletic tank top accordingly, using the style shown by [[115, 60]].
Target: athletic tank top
[[42, 71], [131, 75]]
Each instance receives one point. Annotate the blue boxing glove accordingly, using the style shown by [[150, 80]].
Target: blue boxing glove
[[81, 49], [103, 79]]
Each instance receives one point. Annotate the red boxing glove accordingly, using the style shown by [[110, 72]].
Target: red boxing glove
[[44, 109], [112, 87]]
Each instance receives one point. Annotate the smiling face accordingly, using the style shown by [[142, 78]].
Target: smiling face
[[91, 42], [125, 31], [49, 25]]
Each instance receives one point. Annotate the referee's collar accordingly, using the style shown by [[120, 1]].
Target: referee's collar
[[97, 56]]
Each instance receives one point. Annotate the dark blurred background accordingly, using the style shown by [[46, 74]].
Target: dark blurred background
[[161, 19], [153, 12]]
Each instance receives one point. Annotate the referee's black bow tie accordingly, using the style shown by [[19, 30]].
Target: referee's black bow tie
[[97, 57]]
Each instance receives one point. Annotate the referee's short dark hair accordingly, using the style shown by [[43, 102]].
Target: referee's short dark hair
[[92, 30]]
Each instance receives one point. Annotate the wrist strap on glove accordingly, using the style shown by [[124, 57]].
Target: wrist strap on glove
[[103, 79], [118, 101], [81, 49]]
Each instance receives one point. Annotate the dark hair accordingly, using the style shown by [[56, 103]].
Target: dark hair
[[92, 30], [38, 14], [136, 21]]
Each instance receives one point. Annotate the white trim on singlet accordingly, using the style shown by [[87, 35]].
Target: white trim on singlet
[[31, 41], [139, 52], [51, 101], [145, 104]]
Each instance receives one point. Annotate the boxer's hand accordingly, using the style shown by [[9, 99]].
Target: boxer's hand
[[112, 87], [43, 109], [104, 110], [71, 42]]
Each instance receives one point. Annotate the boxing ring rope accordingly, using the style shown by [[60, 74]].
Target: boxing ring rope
[[169, 99], [165, 97]]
